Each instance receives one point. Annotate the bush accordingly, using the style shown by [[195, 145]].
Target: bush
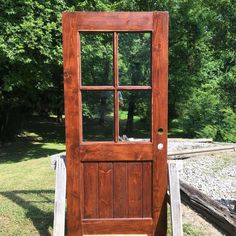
[[227, 126], [204, 115]]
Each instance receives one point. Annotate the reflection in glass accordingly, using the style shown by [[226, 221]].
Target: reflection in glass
[[96, 58], [135, 115], [134, 58], [98, 115]]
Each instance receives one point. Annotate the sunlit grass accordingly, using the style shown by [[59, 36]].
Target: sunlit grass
[[26, 197]]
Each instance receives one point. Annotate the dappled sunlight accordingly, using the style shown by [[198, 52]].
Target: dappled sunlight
[[40, 137]]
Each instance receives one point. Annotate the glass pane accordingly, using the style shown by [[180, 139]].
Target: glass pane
[[135, 115], [98, 115], [96, 58], [134, 58]]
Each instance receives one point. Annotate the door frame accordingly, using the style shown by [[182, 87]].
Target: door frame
[[157, 24]]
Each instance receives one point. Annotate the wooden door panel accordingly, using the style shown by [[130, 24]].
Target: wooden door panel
[[90, 171], [134, 176], [117, 190], [116, 187], [147, 189], [120, 189], [105, 190]]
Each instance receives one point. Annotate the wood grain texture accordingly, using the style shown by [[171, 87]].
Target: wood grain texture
[[117, 226], [120, 190], [147, 189], [72, 114], [215, 212], [138, 165], [134, 173], [116, 152], [117, 190], [160, 119], [105, 190], [115, 21], [90, 190]]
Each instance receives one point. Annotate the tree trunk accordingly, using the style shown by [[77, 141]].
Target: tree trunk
[[130, 119], [132, 98]]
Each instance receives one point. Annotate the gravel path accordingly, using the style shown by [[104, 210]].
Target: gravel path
[[213, 174]]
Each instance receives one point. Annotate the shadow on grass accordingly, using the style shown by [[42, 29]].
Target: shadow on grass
[[40, 137], [31, 201], [46, 129]]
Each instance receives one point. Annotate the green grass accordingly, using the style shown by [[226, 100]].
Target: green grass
[[26, 197], [27, 180], [175, 129], [190, 230]]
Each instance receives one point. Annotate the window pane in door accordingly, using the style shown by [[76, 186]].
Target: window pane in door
[[98, 115], [134, 59], [135, 115], [96, 58]]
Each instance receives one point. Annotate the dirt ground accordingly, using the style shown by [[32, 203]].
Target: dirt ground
[[194, 219]]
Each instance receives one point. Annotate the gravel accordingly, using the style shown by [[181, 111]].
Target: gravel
[[214, 175]]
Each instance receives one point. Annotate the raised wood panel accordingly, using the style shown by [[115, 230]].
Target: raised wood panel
[[134, 189], [120, 189], [116, 152], [117, 190], [105, 190], [147, 189], [90, 190]]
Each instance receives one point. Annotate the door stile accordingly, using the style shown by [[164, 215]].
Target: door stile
[[72, 123], [160, 118], [79, 86], [80, 191]]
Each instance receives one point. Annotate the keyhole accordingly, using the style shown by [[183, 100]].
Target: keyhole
[[160, 131]]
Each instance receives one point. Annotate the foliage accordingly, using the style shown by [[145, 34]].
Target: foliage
[[192, 231], [204, 115], [202, 53], [227, 127]]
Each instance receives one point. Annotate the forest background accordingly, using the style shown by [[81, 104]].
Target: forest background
[[202, 62]]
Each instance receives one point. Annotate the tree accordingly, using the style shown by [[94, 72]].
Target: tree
[[30, 59], [202, 52]]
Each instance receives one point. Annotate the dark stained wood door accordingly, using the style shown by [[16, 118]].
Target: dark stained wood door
[[115, 185]]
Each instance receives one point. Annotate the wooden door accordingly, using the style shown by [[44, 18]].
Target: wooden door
[[115, 184]]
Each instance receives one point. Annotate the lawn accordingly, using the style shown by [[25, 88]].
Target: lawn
[[27, 180]]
